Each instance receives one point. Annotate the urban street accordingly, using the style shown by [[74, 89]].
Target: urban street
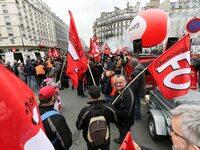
[[72, 104]]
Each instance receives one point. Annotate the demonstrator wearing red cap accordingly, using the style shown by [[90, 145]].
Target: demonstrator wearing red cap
[[55, 125]]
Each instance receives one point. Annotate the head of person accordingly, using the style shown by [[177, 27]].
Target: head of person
[[120, 82], [185, 127], [46, 95], [134, 62], [94, 92]]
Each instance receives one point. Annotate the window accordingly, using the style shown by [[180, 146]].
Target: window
[[10, 32], [12, 41], [7, 20], [4, 8]]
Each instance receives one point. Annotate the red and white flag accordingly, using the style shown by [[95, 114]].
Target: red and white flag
[[107, 49], [50, 53], [172, 71], [90, 52], [96, 52], [20, 124], [77, 61], [55, 53]]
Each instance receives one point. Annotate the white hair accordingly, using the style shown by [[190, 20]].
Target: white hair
[[190, 126]]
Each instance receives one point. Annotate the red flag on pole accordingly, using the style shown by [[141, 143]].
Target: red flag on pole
[[77, 62], [90, 52], [55, 53], [127, 143], [172, 71], [50, 53], [107, 49], [20, 124]]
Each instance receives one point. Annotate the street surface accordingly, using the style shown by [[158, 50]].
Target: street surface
[[72, 104]]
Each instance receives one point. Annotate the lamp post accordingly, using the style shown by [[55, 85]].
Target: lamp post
[[21, 37]]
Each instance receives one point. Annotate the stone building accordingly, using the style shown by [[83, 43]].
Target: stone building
[[114, 24], [30, 24]]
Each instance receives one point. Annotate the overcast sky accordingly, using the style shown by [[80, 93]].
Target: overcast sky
[[86, 11]]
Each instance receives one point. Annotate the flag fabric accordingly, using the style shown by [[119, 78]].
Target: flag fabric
[[97, 52], [127, 143], [90, 52], [107, 49], [171, 70], [55, 53], [20, 123], [50, 53], [77, 62]]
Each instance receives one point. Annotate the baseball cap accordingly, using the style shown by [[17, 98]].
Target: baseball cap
[[46, 92]]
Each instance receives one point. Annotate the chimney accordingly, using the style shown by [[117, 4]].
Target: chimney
[[127, 4]]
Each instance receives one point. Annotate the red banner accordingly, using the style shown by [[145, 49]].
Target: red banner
[[77, 62], [171, 70], [20, 124]]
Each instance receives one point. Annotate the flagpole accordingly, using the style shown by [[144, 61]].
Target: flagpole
[[91, 74], [129, 85], [62, 69]]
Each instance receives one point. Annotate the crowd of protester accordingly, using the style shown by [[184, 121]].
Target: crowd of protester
[[47, 75]]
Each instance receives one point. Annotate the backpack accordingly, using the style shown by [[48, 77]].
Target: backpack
[[45, 116], [106, 87], [98, 131]]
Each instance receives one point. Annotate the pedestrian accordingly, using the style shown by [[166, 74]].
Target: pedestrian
[[55, 125], [185, 128], [97, 108], [125, 107], [138, 86], [22, 74]]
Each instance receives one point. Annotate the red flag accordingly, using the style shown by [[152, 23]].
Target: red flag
[[96, 52], [171, 70], [77, 62], [50, 53], [95, 39], [127, 143], [107, 49], [90, 52], [20, 124], [55, 53]]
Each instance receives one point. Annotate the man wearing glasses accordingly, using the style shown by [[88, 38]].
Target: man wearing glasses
[[185, 128]]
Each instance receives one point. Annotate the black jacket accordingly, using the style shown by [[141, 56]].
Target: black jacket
[[138, 86], [125, 107], [63, 134], [98, 105]]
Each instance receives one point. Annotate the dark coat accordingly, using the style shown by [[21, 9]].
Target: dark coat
[[138, 86], [65, 135], [125, 107], [98, 106]]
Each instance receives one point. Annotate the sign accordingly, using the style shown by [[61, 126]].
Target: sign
[[193, 25]]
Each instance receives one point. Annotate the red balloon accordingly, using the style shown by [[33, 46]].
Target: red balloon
[[151, 26]]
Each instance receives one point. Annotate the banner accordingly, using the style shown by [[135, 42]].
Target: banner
[[20, 124], [77, 62], [172, 71]]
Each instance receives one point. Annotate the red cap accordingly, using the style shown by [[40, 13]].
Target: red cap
[[46, 92]]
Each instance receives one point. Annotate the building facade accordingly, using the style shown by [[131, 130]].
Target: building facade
[[181, 13], [29, 24], [114, 24]]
